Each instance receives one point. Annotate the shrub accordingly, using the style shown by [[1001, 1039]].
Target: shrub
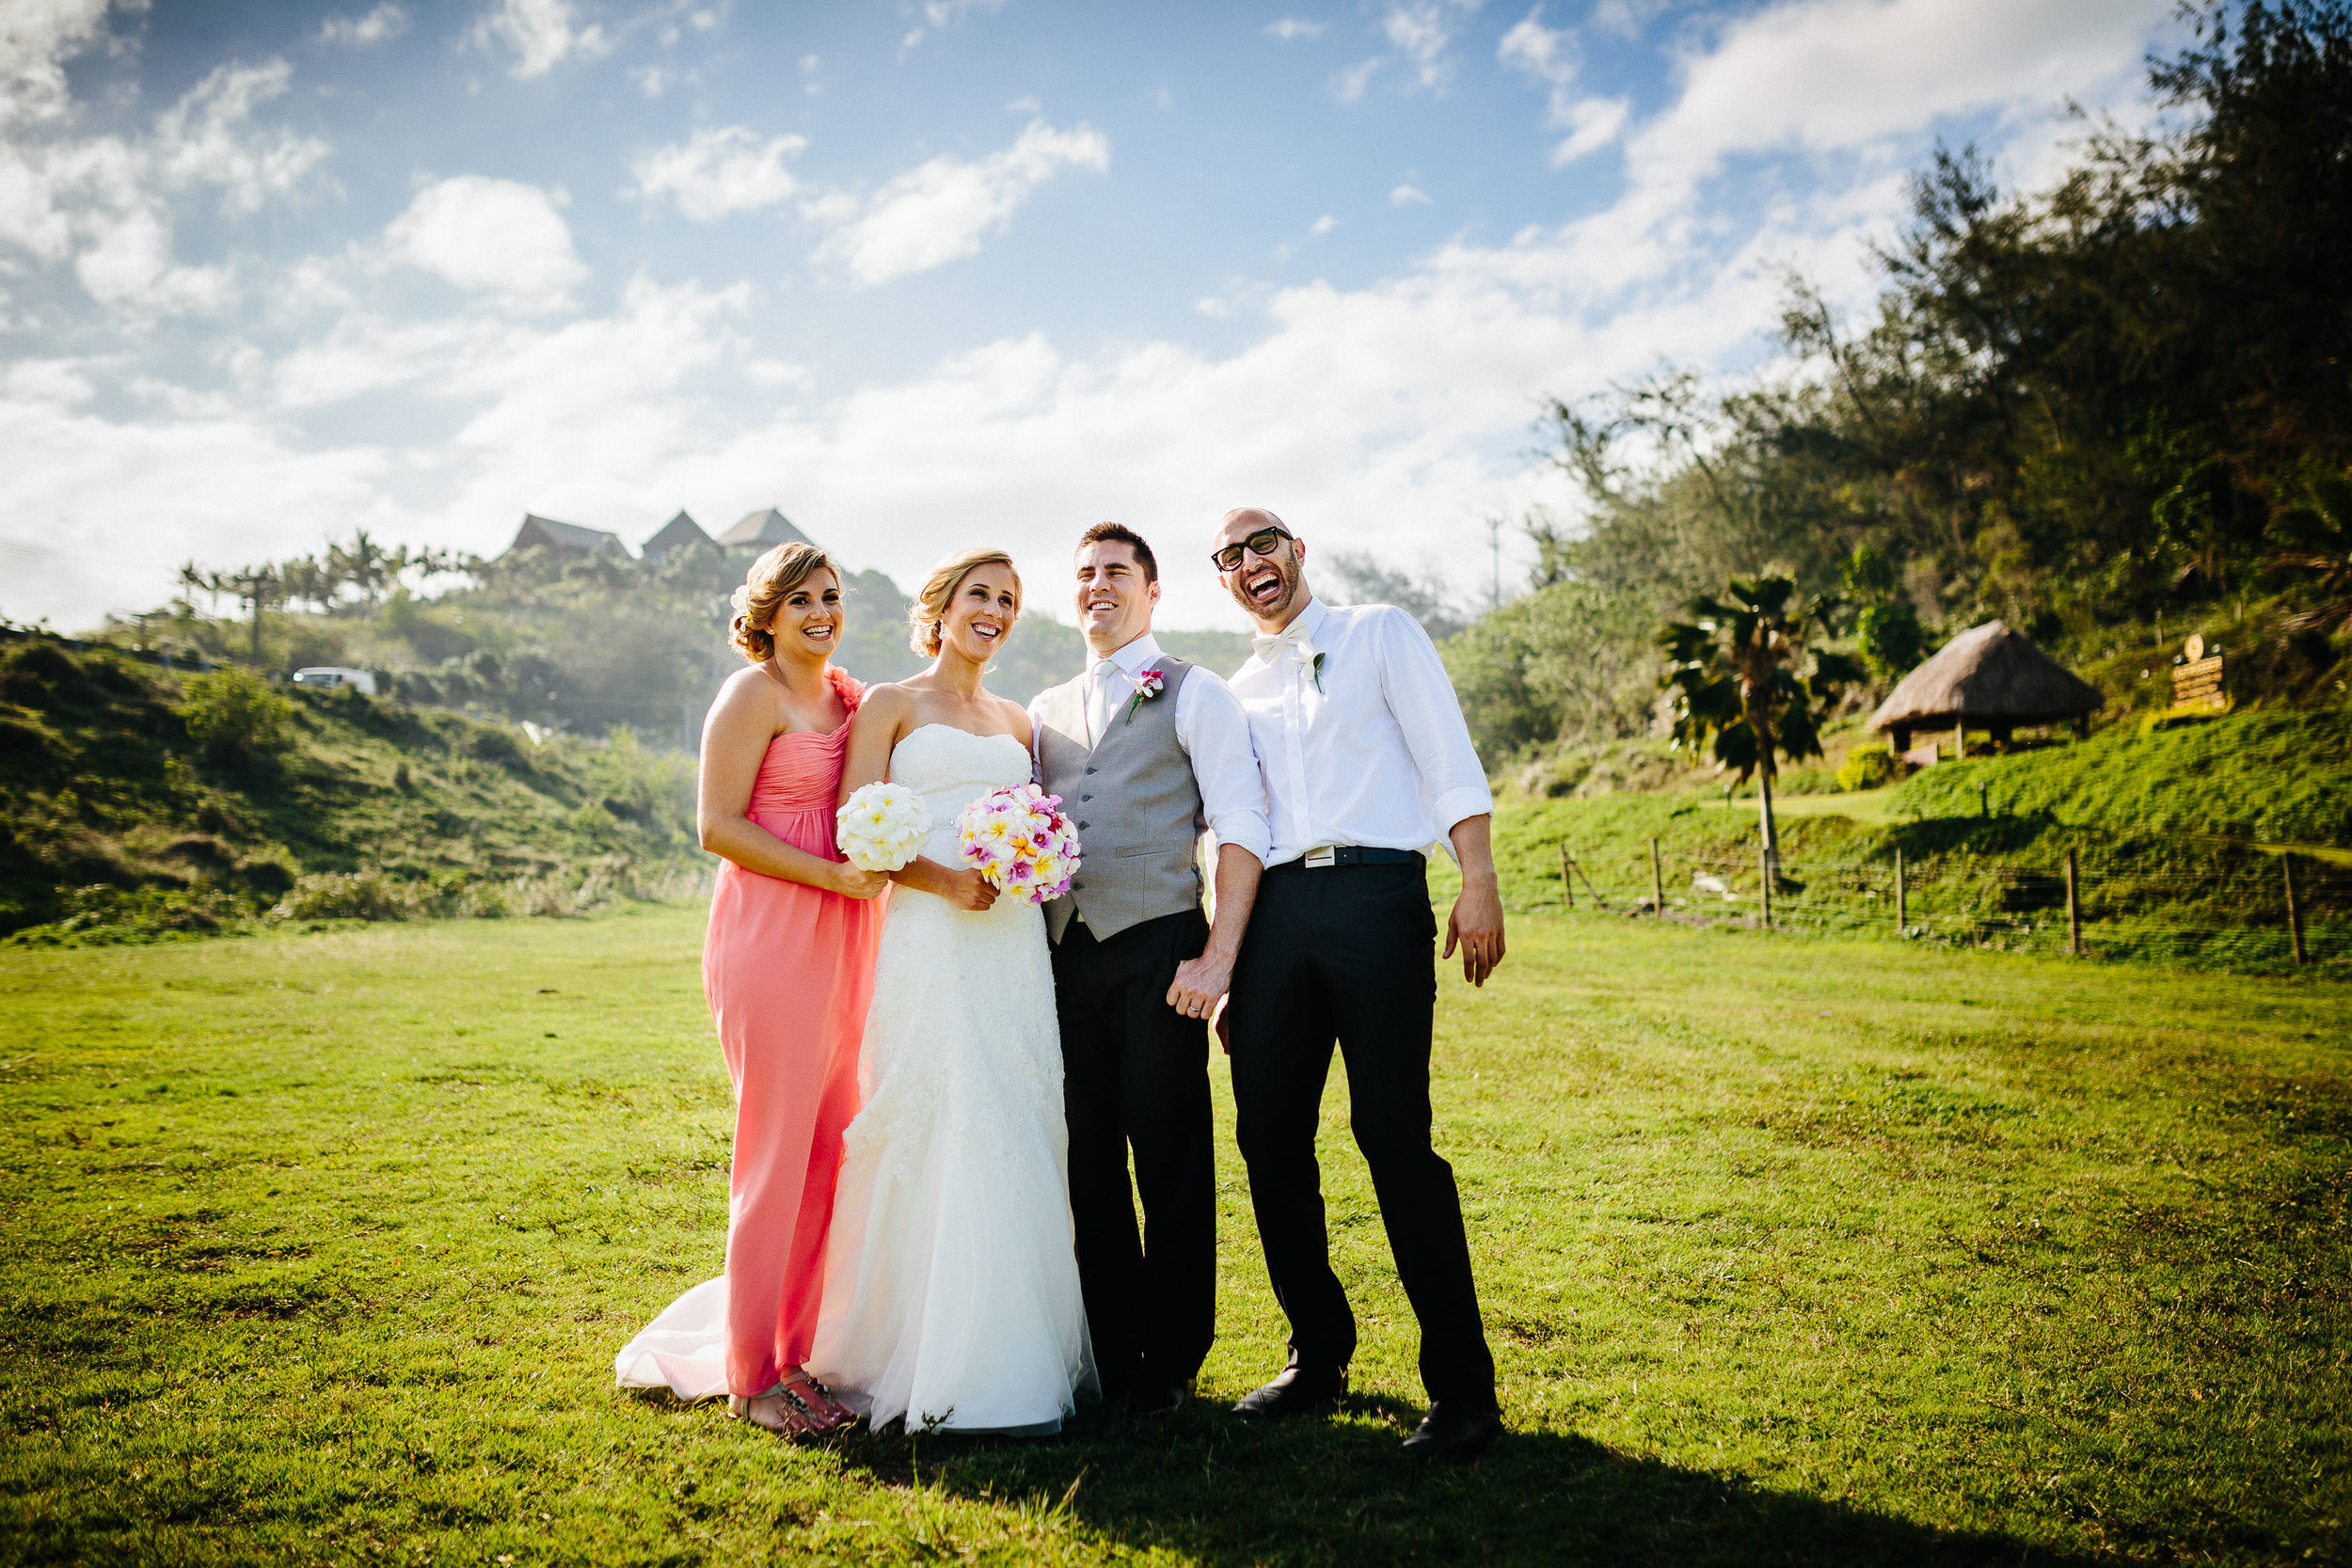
[[232, 713], [347, 895], [1867, 768]]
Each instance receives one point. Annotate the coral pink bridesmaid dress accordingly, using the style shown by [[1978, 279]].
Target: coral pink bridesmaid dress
[[788, 970]]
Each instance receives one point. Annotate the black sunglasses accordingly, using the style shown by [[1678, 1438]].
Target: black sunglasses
[[1260, 542]]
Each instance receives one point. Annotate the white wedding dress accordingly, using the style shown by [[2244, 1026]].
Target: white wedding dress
[[951, 1286]]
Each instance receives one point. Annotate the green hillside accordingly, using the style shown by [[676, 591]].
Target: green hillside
[[2278, 777], [138, 801], [1995, 880]]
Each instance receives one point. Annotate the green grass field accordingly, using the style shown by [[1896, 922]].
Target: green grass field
[[318, 1248]]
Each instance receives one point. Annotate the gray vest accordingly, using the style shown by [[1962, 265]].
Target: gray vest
[[1135, 800]]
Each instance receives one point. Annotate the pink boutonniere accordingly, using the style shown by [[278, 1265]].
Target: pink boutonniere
[[1147, 684]]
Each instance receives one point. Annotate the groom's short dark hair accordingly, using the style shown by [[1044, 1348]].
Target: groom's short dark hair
[[1127, 536]]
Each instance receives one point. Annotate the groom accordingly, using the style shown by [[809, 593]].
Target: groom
[[1367, 759], [1145, 749]]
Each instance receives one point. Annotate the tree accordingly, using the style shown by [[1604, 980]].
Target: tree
[[1744, 675], [365, 565]]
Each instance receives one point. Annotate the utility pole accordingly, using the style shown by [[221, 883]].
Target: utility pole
[[1494, 540]]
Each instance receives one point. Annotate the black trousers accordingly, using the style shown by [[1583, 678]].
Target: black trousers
[[1344, 952], [1136, 1073]]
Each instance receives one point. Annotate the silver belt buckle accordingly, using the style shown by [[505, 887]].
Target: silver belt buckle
[[1325, 856]]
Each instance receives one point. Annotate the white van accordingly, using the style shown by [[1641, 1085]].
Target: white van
[[330, 675]]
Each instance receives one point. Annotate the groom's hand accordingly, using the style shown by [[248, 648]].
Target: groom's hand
[[1200, 982], [1476, 927]]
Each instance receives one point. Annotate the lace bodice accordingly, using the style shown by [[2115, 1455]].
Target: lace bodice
[[951, 768]]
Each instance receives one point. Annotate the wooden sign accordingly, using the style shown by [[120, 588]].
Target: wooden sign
[[2197, 680]]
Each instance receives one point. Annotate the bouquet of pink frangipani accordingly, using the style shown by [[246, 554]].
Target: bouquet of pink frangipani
[[1018, 840]]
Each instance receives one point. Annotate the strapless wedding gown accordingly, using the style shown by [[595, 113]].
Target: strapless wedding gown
[[952, 1284]]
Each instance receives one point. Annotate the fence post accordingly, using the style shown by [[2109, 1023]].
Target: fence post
[[1568, 892], [1764, 862], [1657, 883], [2294, 910], [2074, 910], [1902, 902]]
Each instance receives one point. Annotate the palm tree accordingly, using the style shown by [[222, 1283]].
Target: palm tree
[[362, 563], [1743, 674]]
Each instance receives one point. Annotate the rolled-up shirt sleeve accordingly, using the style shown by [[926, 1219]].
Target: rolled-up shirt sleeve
[[1429, 716], [1213, 731]]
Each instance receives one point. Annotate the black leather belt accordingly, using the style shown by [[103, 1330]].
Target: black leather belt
[[1347, 854]]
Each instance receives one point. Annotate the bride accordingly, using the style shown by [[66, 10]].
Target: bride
[[951, 1288]]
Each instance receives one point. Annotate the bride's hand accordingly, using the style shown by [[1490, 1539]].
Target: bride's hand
[[853, 883], [968, 890]]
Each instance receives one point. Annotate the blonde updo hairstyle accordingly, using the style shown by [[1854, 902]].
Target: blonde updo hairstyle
[[772, 576], [930, 606]]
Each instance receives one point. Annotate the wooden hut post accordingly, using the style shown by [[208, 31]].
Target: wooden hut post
[[1568, 892], [2294, 910], [1902, 903], [1960, 740], [2074, 910], [1657, 883]]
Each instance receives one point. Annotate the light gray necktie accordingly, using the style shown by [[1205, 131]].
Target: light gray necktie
[[1101, 700]]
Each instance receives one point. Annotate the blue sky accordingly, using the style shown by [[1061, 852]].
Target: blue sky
[[923, 275]]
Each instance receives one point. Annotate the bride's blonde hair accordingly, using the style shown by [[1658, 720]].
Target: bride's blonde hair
[[930, 605]]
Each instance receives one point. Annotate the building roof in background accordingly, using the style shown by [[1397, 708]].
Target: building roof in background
[[1992, 673], [763, 530], [678, 532], [547, 533]]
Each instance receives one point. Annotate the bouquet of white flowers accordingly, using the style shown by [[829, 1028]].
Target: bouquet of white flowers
[[1017, 840], [882, 826]]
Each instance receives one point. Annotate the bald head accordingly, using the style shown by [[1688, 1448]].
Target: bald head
[[1245, 520]]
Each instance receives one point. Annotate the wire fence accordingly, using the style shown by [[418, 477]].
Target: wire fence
[[2250, 909]]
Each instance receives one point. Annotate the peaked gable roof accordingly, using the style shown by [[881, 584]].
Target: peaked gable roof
[[763, 530], [547, 533], [677, 534]]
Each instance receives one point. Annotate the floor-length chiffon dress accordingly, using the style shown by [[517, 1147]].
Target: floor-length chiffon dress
[[788, 970]]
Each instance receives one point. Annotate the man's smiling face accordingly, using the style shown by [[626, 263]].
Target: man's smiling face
[[1115, 598], [1271, 587]]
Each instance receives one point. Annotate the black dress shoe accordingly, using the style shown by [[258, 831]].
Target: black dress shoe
[[1156, 1397], [1297, 1391], [1450, 1431]]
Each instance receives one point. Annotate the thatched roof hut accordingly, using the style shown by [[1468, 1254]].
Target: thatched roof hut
[[1989, 677]]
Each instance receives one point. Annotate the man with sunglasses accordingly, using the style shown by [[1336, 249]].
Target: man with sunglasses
[[1367, 760]]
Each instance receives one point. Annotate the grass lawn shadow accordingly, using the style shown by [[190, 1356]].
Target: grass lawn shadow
[[1213, 1488]]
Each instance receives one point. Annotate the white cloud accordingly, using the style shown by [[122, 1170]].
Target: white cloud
[[1549, 55], [494, 234], [104, 202], [943, 13], [1291, 28], [1409, 196], [37, 38], [719, 172], [385, 22], [1828, 75], [1348, 84], [203, 139], [542, 34], [1323, 226], [1419, 30], [1592, 124], [941, 211]]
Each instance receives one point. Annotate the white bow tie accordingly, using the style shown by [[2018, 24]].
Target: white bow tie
[[1290, 642]]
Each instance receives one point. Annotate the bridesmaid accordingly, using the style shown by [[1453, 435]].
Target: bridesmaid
[[788, 968]]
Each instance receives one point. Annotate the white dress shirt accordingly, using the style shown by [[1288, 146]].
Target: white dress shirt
[[1369, 751], [1210, 727]]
